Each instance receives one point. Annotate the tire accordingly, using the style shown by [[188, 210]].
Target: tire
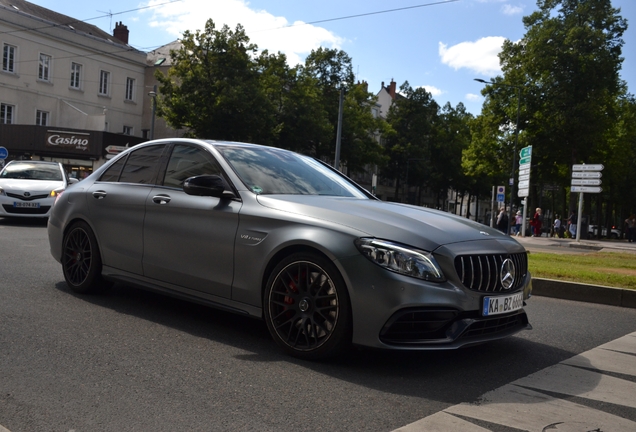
[[307, 307], [81, 260]]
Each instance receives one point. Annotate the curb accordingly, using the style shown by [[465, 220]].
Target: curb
[[583, 292]]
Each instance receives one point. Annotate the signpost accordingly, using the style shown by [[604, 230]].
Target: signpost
[[525, 163], [501, 194], [585, 179]]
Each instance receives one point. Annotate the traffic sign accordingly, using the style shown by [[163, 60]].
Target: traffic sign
[[3, 153], [524, 172], [524, 184], [525, 160], [588, 189], [522, 193], [526, 151], [587, 174], [501, 189], [586, 182], [525, 166], [501, 198], [584, 167], [523, 177]]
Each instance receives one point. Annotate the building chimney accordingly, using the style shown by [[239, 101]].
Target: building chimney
[[392, 89], [121, 32]]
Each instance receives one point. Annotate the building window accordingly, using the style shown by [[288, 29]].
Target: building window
[[8, 58], [7, 114], [130, 89], [104, 83], [76, 75], [44, 71], [41, 118], [128, 130]]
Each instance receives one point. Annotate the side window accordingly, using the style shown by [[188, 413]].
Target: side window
[[142, 165], [139, 167], [189, 161], [113, 172]]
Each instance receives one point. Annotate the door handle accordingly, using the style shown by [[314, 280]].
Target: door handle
[[161, 199], [99, 195]]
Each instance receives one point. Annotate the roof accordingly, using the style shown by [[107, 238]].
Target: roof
[[51, 18], [161, 55]]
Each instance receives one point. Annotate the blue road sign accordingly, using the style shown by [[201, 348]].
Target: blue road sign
[[3, 153]]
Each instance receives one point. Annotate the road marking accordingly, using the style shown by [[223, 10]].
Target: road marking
[[518, 405]]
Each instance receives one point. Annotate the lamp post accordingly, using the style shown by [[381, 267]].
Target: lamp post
[[153, 95], [336, 164], [514, 153]]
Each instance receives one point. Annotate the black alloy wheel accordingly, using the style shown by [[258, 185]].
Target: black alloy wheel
[[307, 307], [81, 261]]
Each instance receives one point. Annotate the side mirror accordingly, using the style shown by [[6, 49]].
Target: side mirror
[[206, 185]]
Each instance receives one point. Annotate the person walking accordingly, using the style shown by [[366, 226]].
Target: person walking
[[572, 221], [502, 220], [631, 228], [536, 223], [558, 227], [518, 221]]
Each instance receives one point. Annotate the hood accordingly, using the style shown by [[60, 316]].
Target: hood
[[407, 224], [18, 186]]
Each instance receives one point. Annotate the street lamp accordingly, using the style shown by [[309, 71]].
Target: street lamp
[[153, 95], [514, 154], [336, 164]]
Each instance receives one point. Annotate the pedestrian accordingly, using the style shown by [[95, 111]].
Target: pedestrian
[[536, 223], [502, 220], [518, 221], [631, 228], [572, 221], [558, 227]]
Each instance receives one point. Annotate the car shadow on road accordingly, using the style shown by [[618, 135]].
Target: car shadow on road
[[420, 374]]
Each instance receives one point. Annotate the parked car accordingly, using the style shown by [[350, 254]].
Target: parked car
[[272, 234], [28, 188], [615, 233]]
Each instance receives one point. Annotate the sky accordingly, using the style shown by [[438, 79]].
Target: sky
[[441, 45]]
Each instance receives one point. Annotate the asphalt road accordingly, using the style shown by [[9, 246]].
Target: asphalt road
[[129, 360]]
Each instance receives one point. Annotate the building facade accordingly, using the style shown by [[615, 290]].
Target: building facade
[[64, 78]]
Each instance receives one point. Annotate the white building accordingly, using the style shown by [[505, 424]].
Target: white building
[[69, 77]]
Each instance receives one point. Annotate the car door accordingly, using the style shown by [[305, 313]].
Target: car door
[[189, 240], [117, 205]]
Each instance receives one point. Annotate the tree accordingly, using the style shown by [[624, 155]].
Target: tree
[[566, 68], [214, 87]]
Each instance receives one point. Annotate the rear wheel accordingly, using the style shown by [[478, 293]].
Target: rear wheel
[[307, 307], [81, 261]]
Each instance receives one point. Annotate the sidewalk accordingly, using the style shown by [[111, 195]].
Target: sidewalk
[[577, 291]]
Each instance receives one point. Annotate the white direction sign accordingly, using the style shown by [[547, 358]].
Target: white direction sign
[[524, 177], [586, 182], [524, 184], [522, 193], [524, 166], [587, 174], [587, 189], [584, 167], [524, 172]]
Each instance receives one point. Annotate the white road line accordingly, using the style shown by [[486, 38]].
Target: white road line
[[517, 405]]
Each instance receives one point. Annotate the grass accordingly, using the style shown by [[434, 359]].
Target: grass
[[599, 268]]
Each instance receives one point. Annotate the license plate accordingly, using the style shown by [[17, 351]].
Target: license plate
[[502, 304], [20, 204]]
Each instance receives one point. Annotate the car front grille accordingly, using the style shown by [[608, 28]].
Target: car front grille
[[25, 198], [25, 211], [483, 272]]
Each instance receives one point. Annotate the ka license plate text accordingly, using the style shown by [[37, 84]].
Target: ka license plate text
[[502, 304]]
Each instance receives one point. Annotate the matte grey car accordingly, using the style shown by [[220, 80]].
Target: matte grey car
[[272, 234]]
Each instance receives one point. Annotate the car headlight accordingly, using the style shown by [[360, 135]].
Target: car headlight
[[401, 259]]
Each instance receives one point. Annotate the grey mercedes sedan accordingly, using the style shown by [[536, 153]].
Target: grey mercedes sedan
[[275, 235]]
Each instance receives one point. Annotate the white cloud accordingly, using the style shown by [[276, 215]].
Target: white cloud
[[511, 10], [263, 28], [480, 56], [473, 97], [433, 90]]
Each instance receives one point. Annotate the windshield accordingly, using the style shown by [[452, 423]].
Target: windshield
[[32, 171], [267, 170]]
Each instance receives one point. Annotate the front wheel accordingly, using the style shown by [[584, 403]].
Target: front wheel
[[81, 260], [307, 307]]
